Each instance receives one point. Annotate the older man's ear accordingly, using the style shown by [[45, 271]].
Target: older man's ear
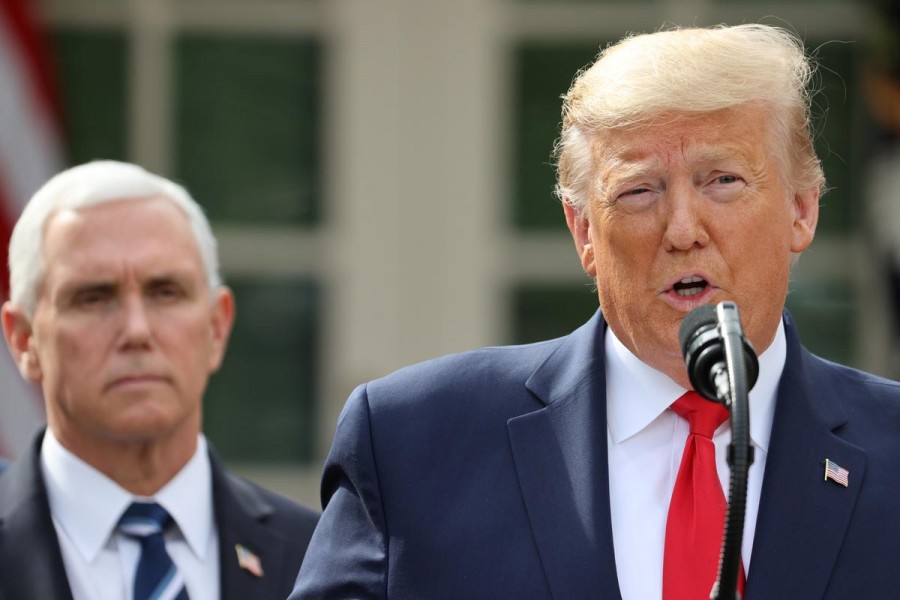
[[221, 324], [806, 217], [17, 330], [580, 229]]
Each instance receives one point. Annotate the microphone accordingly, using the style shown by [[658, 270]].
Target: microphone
[[702, 334], [713, 342]]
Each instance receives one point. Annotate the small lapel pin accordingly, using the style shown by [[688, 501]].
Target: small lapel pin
[[248, 561], [836, 473]]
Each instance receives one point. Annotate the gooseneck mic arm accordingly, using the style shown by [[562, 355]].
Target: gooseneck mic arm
[[722, 367]]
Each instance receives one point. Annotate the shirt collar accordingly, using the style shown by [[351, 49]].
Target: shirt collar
[[636, 393], [188, 498], [87, 504]]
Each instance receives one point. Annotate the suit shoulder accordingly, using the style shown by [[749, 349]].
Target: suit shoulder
[[853, 376], [479, 386], [240, 500], [490, 367], [276, 508], [882, 393]]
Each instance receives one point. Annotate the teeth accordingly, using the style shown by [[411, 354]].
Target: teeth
[[690, 286], [689, 292]]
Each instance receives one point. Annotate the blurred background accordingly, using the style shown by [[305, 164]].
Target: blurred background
[[378, 174]]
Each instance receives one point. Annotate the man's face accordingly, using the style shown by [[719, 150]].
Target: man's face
[[690, 210], [125, 332]]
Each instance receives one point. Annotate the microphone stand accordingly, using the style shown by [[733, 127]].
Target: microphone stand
[[740, 452]]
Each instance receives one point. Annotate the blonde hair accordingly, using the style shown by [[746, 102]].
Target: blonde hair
[[690, 70]]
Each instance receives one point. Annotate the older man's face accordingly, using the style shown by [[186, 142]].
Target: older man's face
[[690, 210], [125, 332]]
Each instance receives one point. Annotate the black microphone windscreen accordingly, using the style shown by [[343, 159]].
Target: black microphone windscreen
[[693, 321]]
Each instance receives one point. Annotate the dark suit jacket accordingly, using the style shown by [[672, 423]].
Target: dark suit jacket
[[274, 528], [484, 475]]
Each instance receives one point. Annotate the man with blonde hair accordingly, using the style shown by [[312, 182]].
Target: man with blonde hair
[[118, 312], [586, 466]]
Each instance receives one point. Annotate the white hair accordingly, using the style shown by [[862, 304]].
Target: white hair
[[88, 185], [690, 70]]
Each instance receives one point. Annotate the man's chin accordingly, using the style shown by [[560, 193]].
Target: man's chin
[[149, 420]]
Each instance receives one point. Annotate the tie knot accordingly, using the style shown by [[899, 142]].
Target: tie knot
[[143, 519], [703, 415]]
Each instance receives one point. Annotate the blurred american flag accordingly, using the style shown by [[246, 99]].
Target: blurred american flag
[[30, 152]]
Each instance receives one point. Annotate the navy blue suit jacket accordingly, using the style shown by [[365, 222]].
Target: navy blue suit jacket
[[484, 475], [274, 528]]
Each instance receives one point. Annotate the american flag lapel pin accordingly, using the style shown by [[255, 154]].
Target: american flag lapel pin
[[248, 561], [836, 473]]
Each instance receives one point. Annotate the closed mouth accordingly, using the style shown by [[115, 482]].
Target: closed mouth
[[129, 380]]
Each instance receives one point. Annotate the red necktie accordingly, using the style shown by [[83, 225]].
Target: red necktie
[[697, 511]]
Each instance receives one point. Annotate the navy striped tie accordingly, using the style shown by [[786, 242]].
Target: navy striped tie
[[156, 578]]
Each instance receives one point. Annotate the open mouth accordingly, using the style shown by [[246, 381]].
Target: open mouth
[[690, 286]]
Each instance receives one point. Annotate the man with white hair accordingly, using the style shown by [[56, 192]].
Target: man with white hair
[[118, 312], [586, 466]]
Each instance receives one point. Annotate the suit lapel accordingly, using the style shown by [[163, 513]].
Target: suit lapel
[[240, 516], [29, 550], [803, 518], [560, 455]]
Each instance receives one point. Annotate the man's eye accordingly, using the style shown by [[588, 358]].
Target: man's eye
[[636, 199], [90, 298], [167, 292], [638, 194], [726, 179]]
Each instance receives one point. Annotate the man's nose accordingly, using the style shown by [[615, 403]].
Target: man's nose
[[685, 225], [136, 330]]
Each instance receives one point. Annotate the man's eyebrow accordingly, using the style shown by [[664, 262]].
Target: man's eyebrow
[[72, 289], [173, 276], [162, 278], [708, 154], [618, 170], [183, 281], [633, 170], [89, 285]]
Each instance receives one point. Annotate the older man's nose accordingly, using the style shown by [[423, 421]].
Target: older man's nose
[[685, 226], [136, 330]]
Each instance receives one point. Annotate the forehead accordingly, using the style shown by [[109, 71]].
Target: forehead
[[134, 233], [739, 133]]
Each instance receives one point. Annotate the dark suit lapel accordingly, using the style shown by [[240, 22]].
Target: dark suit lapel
[[560, 455], [240, 516], [31, 560], [803, 518]]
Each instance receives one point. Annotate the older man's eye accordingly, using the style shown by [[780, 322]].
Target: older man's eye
[[90, 298], [635, 196], [724, 179], [167, 292], [725, 187]]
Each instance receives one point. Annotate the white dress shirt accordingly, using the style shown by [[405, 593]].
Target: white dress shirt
[[86, 507], [646, 442]]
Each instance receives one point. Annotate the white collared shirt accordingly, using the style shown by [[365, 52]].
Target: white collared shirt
[[646, 442], [86, 506]]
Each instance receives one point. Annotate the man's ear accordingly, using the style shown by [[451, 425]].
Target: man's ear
[[221, 323], [18, 332], [806, 217], [580, 228]]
